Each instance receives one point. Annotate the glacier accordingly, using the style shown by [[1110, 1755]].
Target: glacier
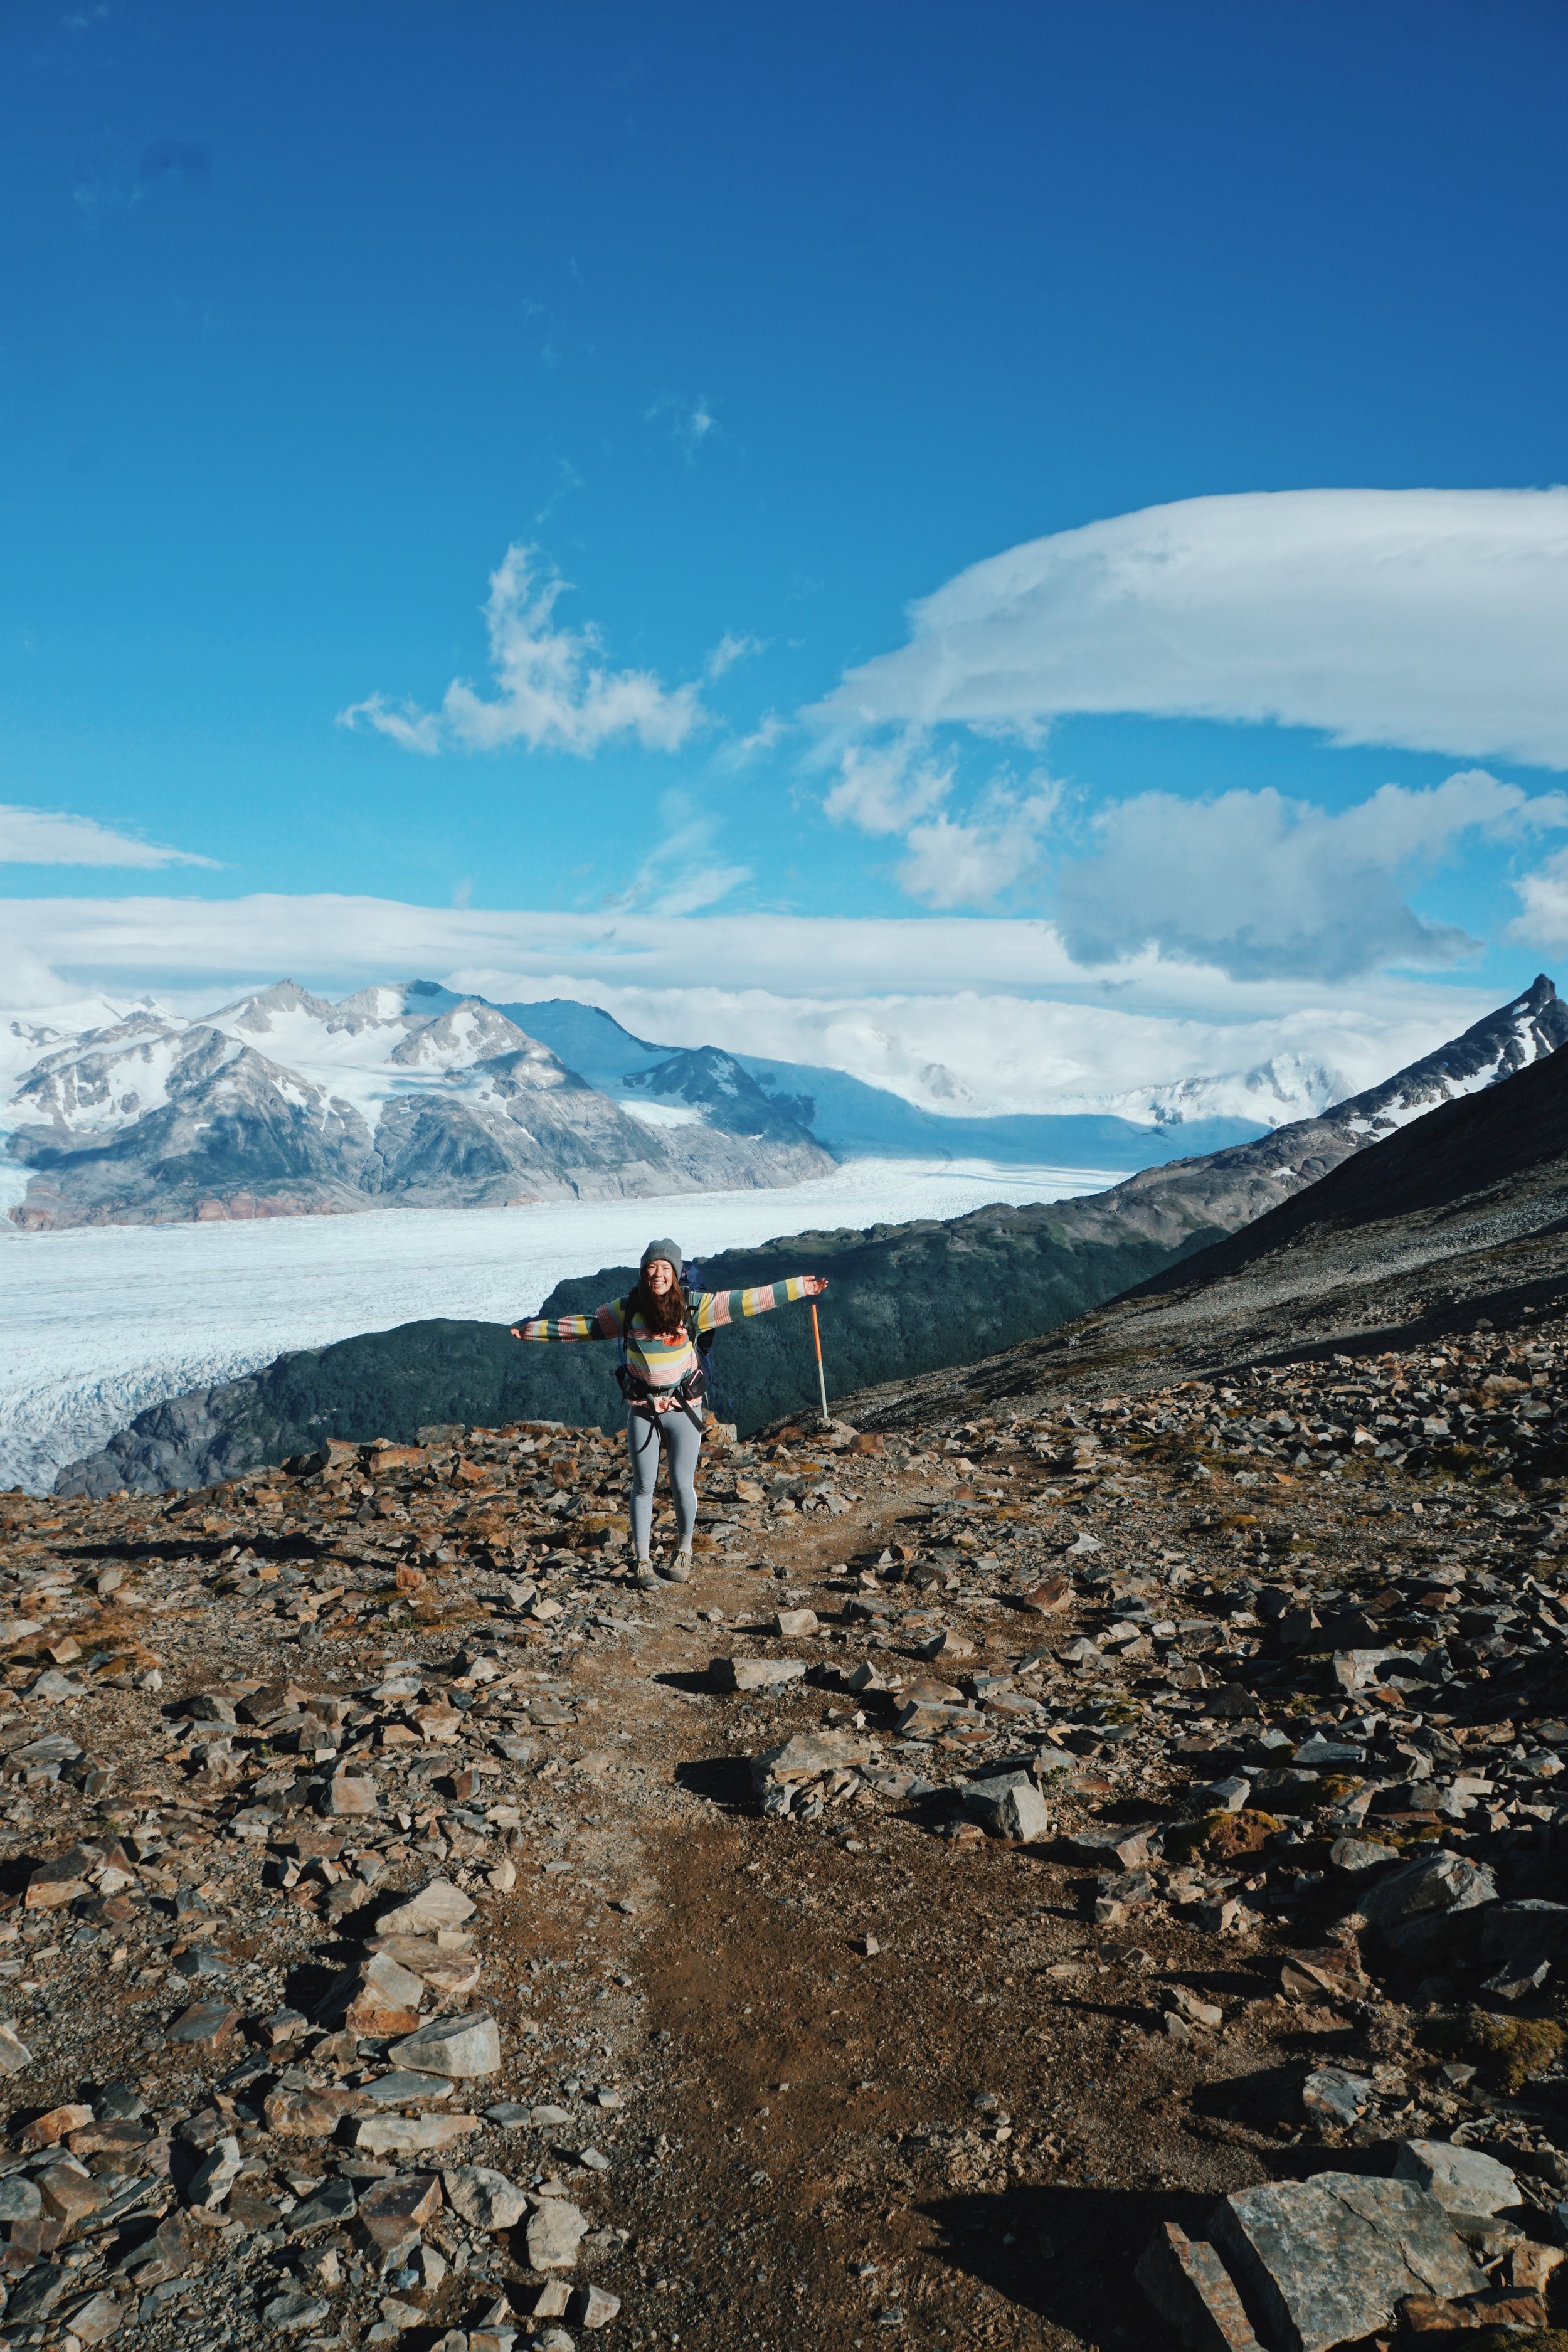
[[104, 1320]]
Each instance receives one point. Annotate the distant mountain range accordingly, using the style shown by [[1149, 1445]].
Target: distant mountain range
[[907, 1300], [409, 1095], [283, 1105], [855, 1120]]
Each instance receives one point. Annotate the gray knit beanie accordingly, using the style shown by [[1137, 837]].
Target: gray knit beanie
[[666, 1249]]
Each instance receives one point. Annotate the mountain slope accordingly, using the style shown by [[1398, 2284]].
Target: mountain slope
[[282, 1103], [1461, 1215], [907, 1301]]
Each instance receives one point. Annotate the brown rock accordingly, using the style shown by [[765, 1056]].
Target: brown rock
[[70, 2195], [61, 1881], [1429, 2315], [310, 2115], [350, 1793], [1048, 1600], [45, 2131], [205, 2025], [393, 2212]]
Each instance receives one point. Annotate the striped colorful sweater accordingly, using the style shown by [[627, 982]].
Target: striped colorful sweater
[[661, 1357]]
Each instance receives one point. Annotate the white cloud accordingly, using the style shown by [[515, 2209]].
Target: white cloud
[[769, 730], [43, 837], [885, 787], [1432, 619], [552, 691], [1259, 884], [970, 862], [1543, 895]]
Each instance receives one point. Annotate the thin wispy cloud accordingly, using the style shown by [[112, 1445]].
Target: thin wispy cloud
[[50, 838], [730, 650], [683, 874], [691, 424], [552, 689], [1430, 619]]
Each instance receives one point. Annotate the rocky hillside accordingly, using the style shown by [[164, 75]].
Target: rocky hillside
[[907, 1300], [283, 1105], [1088, 1873]]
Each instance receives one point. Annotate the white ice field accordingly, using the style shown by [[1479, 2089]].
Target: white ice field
[[101, 1323]]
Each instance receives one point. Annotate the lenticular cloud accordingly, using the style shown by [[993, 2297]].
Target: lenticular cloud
[[1437, 620]]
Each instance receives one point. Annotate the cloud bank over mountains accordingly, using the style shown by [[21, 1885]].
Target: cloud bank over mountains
[[955, 1015]]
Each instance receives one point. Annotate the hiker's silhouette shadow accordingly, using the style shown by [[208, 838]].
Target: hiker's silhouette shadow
[[1066, 2255], [723, 1780]]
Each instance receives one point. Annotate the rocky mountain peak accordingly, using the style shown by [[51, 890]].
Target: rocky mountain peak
[[1533, 1025]]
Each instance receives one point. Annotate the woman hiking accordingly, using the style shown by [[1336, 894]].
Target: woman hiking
[[661, 1377]]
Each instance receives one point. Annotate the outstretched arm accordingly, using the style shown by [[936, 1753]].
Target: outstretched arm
[[607, 1322], [717, 1306]]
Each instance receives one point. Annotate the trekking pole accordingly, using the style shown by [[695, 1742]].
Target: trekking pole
[[821, 1383]]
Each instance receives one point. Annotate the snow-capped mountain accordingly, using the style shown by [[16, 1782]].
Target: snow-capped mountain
[[409, 1094], [282, 1103]]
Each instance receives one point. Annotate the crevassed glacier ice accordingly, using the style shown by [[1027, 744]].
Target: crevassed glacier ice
[[100, 1322]]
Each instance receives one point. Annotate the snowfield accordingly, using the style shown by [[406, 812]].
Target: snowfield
[[103, 1321]]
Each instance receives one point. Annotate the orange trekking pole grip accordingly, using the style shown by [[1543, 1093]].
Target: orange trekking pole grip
[[821, 1383]]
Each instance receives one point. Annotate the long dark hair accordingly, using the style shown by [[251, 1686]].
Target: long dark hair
[[666, 1313]]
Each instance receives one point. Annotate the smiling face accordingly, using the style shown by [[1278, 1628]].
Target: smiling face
[[660, 1276]]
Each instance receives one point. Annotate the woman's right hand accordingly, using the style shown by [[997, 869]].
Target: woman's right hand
[[519, 1331]]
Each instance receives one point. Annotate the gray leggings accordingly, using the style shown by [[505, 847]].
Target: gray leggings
[[677, 1431]]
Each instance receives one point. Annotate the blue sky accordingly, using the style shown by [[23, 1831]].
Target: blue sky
[[756, 328]]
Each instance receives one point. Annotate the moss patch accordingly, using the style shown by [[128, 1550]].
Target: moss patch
[[1222, 1836], [1511, 2048]]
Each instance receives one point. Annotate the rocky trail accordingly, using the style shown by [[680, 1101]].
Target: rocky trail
[[1089, 1876]]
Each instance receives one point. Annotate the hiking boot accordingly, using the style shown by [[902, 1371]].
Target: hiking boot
[[645, 1579], [678, 1570]]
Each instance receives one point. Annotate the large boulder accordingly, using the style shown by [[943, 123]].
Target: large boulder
[[1418, 1908], [1330, 2259]]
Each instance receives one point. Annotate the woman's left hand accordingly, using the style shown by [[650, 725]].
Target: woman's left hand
[[814, 1285]]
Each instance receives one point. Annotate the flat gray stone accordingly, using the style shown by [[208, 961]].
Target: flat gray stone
[[438, 1905], [214, 2180], [1358, 1854], [1462, 2180], [296, 2310], [487, 2199], [1334, 2094], [1420, 1907], [808, 1755], [755, 1673], [461, 2047], [555, 2230], [402, 2088], [20, 2199], [333, 2203], [1194, 2293], [1329, 2259]]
